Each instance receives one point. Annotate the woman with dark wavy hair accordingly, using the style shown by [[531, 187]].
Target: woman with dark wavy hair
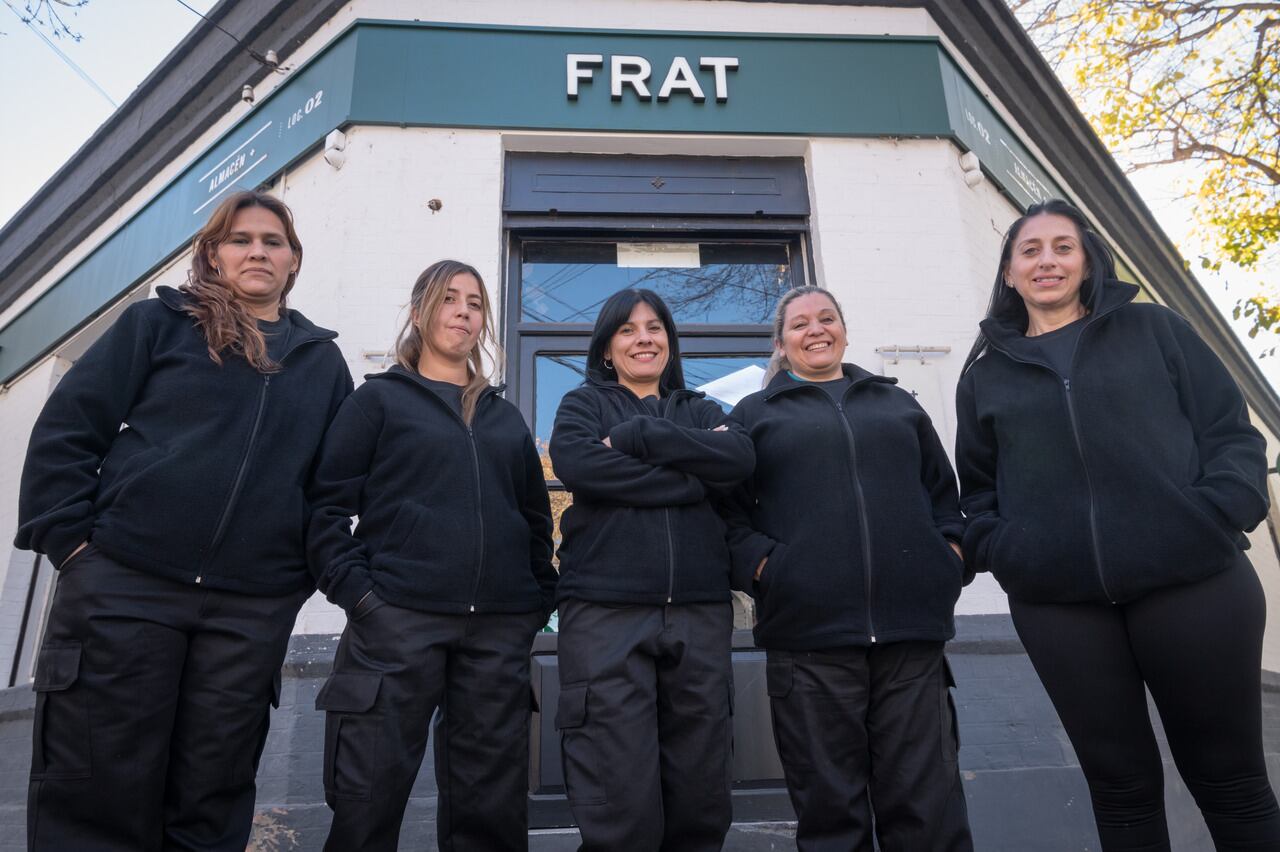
[[164, 479], [1109, 470], [645, 620]]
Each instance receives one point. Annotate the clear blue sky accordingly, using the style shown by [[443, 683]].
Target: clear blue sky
[[48, 111]]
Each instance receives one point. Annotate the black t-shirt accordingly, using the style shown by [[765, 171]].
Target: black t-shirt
[[449, 392], [834, 388], [277, 334], [653, 405], [1056, 347]]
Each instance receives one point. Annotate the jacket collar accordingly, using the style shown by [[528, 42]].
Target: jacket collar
[[783, 382], [596, 379], [1010, 339], [304, 330], [395, 371]]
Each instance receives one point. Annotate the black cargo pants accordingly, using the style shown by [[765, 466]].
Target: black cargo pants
[[645, 718], [152, 703], [869, 730], [393, 668]]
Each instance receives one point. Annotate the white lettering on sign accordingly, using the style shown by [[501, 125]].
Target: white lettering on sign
[[312, 102], [227, 172], [635, 72], [630, 71], [578, 67], [680, 78], [721, 65]]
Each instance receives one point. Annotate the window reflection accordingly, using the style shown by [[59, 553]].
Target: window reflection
[[738, 283]]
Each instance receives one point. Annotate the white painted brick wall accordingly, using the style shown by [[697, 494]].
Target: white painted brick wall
[[367, 233], [911, 253], [19, 406]]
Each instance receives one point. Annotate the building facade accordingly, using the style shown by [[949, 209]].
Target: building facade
[[716, 151]]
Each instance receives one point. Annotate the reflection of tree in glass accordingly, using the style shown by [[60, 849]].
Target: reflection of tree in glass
[[560, 499], [753, 287]]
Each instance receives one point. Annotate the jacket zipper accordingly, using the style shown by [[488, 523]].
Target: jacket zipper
[[862, 510], [666, 511], [238, 483], [475, 470], [1096, 541], [475, 467], [1088, 479]]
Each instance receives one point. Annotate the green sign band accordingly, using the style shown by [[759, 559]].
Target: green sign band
[[446, 75]]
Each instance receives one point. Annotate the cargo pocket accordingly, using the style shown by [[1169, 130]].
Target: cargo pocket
[[61, 733], [578, 753], [352, 735], [950, 723], [790, 734]]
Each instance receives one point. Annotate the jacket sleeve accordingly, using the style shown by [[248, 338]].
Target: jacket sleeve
[[74, 432], [939, 480], [976, 464], [536, 508], [747, 546], [596, 472], [1232, 453], [720, 459], [339, 560]]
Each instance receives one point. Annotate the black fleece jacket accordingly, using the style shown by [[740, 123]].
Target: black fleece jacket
[[854, 504], [205, 481], [641, 528], [1137, 473], [453, 519]]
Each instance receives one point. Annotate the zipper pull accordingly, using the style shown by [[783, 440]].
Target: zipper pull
[[198, 579], [473, 608], [1067, 384], [873, 638]]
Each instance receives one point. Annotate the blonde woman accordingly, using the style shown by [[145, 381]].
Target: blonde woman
[[445, 581], [164, 479]]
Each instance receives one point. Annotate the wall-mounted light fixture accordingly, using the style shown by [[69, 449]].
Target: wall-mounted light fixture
[[335, 148]]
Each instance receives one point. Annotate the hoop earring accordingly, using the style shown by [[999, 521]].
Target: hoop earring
[[608, 365]]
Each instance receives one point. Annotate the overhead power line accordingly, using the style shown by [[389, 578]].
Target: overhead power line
[[84, 75], [269, 61]]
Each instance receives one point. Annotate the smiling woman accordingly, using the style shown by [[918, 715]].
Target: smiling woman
[[846, 536], [645, 618], [1109, 471]]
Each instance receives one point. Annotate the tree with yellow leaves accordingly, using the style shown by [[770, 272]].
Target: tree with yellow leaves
[[1177, 81]]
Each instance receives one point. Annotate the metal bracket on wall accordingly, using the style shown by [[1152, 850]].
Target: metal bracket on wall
[[896, 351]]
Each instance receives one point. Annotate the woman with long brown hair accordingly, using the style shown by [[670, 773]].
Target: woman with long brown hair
[[445, 581], [165, 480]]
